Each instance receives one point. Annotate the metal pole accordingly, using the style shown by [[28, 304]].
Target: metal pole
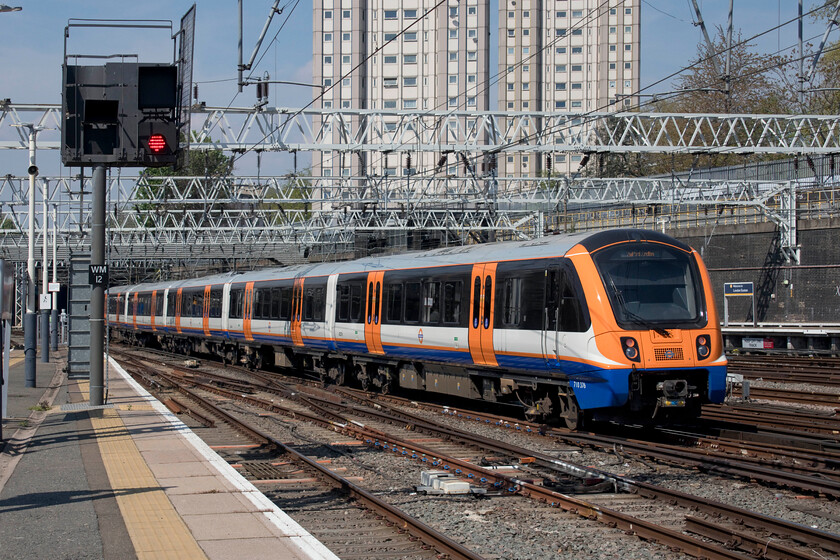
[[240, 67], [30, 324], [97, 295], [728, 76], [45, 313], [54, 312], [801, 61]]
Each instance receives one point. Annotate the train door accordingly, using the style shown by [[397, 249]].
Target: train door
[[178, 310], [152, 310], [482, 312], [205, 311], [373, 312], [134, 311], [550, 339], [297, 312], [247, 311], [330, 311]]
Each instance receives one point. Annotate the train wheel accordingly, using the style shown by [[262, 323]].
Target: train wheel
[[571, 414]]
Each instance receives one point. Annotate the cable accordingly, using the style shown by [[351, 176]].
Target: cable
[[346, 75]]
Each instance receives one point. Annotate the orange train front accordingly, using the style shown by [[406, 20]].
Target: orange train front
[[612, 324]]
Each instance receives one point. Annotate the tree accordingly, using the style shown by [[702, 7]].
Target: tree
[[754, 85]]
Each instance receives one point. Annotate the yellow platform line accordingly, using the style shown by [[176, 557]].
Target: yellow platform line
[[155, 528]]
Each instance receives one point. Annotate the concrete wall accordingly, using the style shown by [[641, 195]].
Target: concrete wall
[[808, 293]]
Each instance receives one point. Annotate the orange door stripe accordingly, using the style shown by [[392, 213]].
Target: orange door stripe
[[152, 310], [246, 312], [205, 311], [178, 310], [297, 312]]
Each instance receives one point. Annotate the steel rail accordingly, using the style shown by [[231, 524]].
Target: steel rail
[[405, 522]]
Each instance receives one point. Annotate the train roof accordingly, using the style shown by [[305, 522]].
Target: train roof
[[553, 245]]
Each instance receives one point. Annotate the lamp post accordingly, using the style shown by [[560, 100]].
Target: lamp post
[[30, 324]]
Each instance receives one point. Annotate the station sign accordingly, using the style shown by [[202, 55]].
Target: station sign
[[738, 289], [46, 301], [54, 287]]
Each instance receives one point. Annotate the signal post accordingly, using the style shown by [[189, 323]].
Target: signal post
[[123, 114]]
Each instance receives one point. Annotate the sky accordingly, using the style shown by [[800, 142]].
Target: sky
[[32, 48]]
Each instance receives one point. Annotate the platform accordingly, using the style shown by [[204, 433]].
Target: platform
[[128, 480]]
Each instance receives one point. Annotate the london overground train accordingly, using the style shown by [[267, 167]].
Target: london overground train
[[611, 324]]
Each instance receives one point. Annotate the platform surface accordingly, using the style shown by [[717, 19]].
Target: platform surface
[[128, 480]]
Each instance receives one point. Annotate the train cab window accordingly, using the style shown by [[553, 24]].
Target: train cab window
[[393, 302], [564, 311], [413, 296], [286, 303], [235, 306], [431, 303], [511, 302]]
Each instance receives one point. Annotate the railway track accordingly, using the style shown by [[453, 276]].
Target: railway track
[[350, 521], [784, 369], [594, 508]]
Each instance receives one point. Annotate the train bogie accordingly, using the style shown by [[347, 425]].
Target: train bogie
[[616, 323]]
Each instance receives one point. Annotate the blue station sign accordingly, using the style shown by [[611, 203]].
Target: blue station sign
[[738, 288]]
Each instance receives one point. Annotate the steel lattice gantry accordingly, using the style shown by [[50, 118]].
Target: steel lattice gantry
[[283, 129], [159, 219]]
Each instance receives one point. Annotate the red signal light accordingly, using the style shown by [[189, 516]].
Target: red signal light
[[157, 143]]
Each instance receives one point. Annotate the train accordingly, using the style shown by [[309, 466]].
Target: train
[[616, 324]]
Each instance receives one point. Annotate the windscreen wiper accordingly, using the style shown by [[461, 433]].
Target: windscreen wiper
[[633, 317]]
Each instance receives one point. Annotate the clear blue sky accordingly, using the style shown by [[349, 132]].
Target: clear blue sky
[[32, 44]]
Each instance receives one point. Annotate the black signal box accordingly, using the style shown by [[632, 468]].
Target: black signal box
[[120, 114]]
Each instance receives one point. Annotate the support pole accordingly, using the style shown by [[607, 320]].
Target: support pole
[[45, 313], [54, 312], [30, 322], [97, 295]]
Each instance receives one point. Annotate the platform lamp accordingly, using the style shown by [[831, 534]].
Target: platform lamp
[[30, 319]]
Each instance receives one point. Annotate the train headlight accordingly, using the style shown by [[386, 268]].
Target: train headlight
[[703, 347], [631, 348]]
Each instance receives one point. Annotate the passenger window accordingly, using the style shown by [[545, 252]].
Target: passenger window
[[376, 306], [370, 303], [488, 300], [431, 303], [275, 303], [343, 295], [452, 302], [511, 301], [356, 303], [413, 295], [476, 301], [393, 303]]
